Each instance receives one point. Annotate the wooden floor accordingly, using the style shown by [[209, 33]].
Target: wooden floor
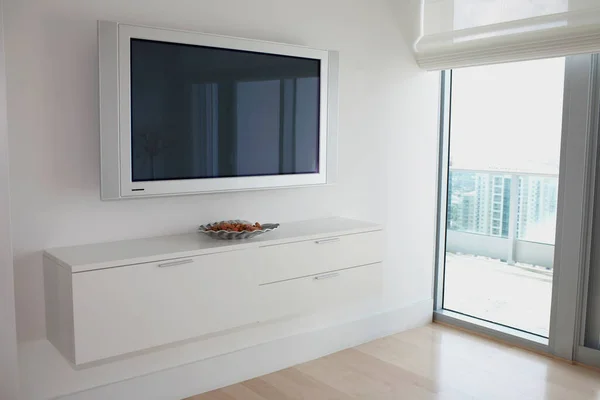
[[433, 362]]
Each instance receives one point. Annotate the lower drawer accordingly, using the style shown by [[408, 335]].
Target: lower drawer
[[127, 309], [307, 294]]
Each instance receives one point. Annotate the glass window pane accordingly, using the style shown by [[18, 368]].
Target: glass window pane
[[221, 113], [505, 133]]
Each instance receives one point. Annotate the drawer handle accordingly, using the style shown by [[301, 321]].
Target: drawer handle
[[325, 241], [175, 263], [326, 276]]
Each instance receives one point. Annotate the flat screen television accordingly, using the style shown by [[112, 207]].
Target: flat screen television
[[184, 112]]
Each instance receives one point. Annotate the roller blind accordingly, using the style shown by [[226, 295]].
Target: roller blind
[[459, 33]]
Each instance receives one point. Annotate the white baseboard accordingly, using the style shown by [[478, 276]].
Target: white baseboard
[[188, 380]]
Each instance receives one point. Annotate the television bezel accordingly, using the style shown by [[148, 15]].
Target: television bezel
[[115, 113]]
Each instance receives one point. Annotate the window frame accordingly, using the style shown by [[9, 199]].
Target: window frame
[[581, 111]]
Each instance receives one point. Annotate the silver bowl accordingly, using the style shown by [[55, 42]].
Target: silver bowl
[[230, 235]]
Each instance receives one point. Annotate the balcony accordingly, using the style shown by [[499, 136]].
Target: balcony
[[500, 246]]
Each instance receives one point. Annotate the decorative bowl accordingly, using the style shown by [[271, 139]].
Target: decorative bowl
[[233, 235]]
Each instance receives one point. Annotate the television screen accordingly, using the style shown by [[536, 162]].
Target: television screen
[[206, 112]]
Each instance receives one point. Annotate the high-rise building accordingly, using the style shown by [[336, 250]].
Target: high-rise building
[[536, 217], [462, 212], [480, 203], [493, 204]]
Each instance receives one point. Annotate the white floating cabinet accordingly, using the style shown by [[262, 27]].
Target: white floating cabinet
[[111, 299]]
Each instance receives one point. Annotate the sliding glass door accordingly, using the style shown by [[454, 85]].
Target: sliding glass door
[[505, 130], [587, 348], [514, 171]]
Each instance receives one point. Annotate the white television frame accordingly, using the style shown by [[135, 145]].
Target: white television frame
[[114, 46]]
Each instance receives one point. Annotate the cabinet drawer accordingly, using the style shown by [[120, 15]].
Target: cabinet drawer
[[304, 295], [126, 309], [298, 259]]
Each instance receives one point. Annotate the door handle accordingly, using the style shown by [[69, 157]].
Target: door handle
[[325, 241], [326, 276], [175, 263]]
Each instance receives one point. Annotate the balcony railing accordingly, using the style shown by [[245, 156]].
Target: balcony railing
[[505, 215]]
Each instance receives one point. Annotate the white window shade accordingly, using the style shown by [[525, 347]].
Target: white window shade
[[459, 33]]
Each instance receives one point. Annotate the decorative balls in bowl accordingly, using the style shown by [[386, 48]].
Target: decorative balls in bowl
[[236, 229]]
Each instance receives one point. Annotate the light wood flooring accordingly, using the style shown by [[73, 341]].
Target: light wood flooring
[[433, 362]]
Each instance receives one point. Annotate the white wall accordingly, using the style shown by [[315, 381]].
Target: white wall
[[9, 381], [387, 137], [533, 253], [474, 243], [407, 14]]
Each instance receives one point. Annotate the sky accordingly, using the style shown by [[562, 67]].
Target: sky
[[508, 116]]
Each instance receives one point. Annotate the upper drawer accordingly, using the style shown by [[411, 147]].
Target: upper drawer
[[294, 260]]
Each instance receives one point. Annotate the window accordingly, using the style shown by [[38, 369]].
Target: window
[[486, 278]]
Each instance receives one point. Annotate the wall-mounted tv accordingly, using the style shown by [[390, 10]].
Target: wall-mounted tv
[[184, 112]]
